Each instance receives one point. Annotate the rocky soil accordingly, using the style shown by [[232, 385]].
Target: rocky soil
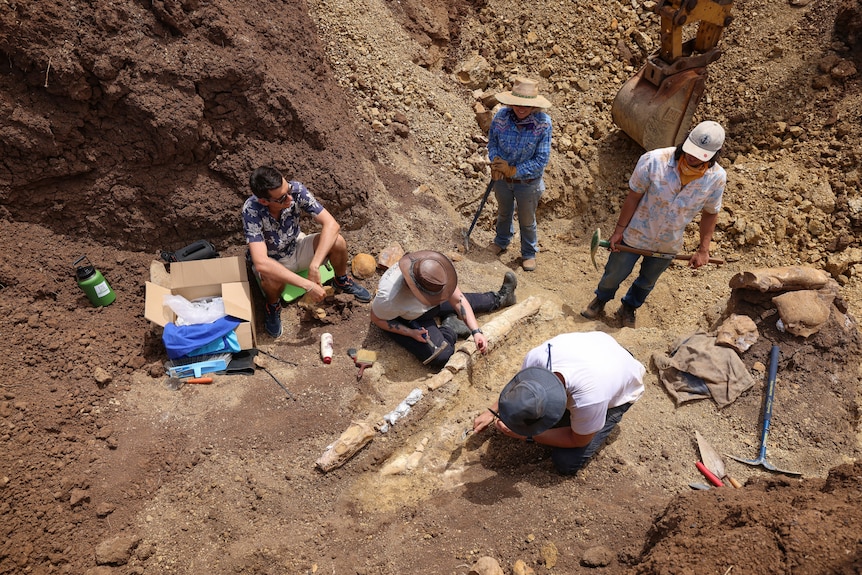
[[129, 128]]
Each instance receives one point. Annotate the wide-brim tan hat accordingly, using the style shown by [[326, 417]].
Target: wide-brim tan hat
[[430, 276], [524, 92]]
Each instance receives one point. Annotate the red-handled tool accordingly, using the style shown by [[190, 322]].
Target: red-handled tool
[[709, 475], [175, 383]]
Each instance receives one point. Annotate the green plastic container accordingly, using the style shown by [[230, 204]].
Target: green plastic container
[[93, 283]]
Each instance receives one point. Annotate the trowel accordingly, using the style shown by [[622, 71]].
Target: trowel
[[713, 461]]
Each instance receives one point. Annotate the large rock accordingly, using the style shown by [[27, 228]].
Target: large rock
[[474, 73], [780, 279], [117, 550], [802, 312], [486, 566]]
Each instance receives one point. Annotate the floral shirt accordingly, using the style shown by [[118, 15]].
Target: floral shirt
[[667, 206], [279, 234], [525, 144]]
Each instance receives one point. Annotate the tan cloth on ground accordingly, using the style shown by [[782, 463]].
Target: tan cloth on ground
[[697, 369]]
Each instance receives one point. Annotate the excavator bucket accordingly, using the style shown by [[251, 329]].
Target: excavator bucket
[[658, 116], [655, 107]]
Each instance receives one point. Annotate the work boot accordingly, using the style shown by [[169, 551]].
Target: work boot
[[272, 319], [626, 314], [347, 285], [594, 308], [506, 296], [456, 325]]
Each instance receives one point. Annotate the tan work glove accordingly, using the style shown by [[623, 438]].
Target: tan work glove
[[503, 167]]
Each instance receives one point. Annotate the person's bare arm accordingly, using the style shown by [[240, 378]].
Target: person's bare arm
[[396, 326], [329, 231], [555, 437], [626, 213], [465, 312], [707, 228]]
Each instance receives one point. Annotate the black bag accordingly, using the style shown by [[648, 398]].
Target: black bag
[[199, 250]]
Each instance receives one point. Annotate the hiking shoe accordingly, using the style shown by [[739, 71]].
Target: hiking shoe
[[496, 249], [272, 319], [456, 325], [347, 285], [593, 309], [626, 314], [529, 265], [506, 295]]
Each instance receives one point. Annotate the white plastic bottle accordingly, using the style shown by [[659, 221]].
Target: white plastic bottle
[[326, 347]]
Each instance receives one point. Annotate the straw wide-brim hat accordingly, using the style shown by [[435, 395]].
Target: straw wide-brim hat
[[532, 402], [430, 276], [524, 92]]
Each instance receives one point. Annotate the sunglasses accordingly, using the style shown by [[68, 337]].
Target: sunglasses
[[282, 199]]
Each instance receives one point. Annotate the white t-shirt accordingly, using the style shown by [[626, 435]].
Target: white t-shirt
[[599, 374], [394, 298]]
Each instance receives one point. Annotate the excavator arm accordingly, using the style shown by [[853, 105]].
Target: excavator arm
[[655, 107]]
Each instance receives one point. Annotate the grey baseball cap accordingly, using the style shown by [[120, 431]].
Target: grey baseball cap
[[532, 402]]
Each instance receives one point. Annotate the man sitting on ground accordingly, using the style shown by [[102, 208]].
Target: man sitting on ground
[[279, 250], [422, 287]]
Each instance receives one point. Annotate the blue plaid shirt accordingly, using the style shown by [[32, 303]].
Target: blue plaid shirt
[[279, 234], [525, 144]]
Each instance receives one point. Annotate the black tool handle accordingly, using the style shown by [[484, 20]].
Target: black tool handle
[[481, 205]]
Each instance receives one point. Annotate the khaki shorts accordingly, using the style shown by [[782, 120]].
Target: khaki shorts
[[301, 258], [302, 255]]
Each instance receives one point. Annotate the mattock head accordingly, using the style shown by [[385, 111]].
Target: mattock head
[[594, 245]]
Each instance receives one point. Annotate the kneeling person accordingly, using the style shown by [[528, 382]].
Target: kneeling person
[[570, 394]]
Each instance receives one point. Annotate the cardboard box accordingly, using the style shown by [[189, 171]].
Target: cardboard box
[[219, 277]]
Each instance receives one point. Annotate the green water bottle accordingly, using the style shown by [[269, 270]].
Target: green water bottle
[[93, 283]]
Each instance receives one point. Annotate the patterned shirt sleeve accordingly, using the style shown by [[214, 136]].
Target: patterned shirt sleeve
[[251, 223]]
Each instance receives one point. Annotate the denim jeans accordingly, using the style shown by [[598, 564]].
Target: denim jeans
[[527, 198], [569, 460], [480, 302], [620, 266]]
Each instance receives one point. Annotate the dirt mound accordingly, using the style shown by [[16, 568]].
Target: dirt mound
[[764, 528], [139, 125]]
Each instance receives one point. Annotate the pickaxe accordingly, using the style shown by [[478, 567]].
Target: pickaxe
[[597, 241]]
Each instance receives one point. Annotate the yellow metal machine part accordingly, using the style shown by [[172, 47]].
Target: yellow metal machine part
[[655, 107]]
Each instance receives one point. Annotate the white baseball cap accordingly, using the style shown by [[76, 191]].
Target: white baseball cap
[[704, 141]]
